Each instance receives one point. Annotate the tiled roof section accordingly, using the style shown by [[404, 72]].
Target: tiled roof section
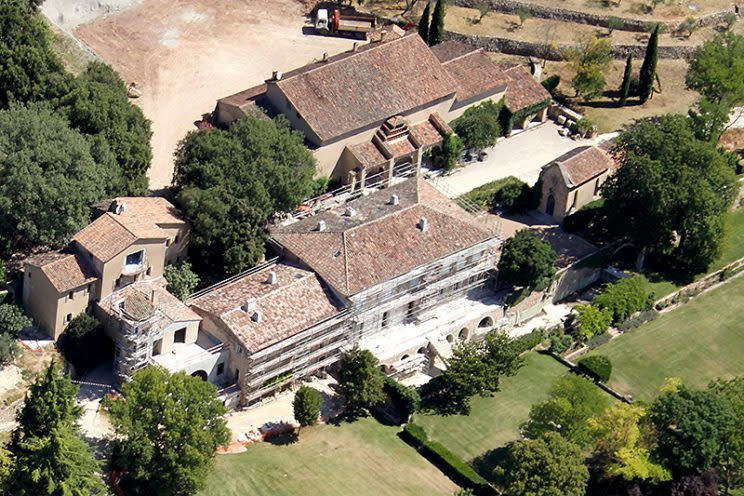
[[66, 271], [381, 241], [137, 303], [245, 98], [358, 89], [427, 134], [522, 89], [105, 237], [146, 212], [450, 50], [583, 164], [367, 155], [296, 301], [476, 75]]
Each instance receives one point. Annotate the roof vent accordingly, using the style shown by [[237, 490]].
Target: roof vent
[[276, 75], [321, 226], [249, 306], [423, 224], [272, 278], [394, 200], [350, 212], [257, 317]]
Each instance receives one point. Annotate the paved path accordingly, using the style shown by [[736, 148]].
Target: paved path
[[522, 155]]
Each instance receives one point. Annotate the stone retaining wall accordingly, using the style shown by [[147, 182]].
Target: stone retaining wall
[[567, 15], [557, 51]]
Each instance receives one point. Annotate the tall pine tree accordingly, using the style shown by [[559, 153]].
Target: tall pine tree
[[423, 27], [648, 69], [436, 30], [627, 75]]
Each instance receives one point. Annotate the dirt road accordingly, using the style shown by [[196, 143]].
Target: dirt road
[[185, 54]]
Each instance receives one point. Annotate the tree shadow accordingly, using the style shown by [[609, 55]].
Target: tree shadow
[[284, 439], [486, 462]]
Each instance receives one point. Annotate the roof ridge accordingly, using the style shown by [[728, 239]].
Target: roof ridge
[[474, 50], [113, 217], [346, 262]]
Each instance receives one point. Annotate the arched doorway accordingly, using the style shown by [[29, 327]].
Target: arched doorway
[[464, 333], [450, 338], [200, 374], [550, 205], [485, 322]]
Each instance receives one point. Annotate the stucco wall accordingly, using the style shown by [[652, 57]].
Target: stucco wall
[[567, 201], [111, 270]]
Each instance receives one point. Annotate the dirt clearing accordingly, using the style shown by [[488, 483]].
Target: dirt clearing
[[185, 54]]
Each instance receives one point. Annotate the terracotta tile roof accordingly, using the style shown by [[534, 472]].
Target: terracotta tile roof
[[296, 301], [245, 98], [583, 164], [449, 50], [141, 218], [136, 302], [476, 75], [66, 271], [381, 240], [367, 154], [522, 90], [358, 89], [430, 132], [732, 139]]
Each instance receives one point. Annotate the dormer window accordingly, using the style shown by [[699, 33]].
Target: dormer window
[[134, 262]]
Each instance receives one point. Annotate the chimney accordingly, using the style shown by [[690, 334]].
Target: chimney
[[272, 278], [118, 207], [423, 224], [349, 212], [394, 200], [257, 317], [355, 46], [249, 306], [321, 226], [276, 75], [383, 34], [325, 56]]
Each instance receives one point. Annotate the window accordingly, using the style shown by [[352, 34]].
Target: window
[[135, 258], [117, 283], [411, 309], [168, 242], [596, 187], [239, 349], [237, 375], [385, 318], [149, 271], [68, 317], [179, 336], [89, 288], [71, 295], [220, 368]]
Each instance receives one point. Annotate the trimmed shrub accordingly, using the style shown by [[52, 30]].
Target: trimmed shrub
[[599, 340], [551, 83], [484, 195], [591, 321], [406, 399], [598, 367], [625, 297], [529, 341], [560, 343], [449, 463]]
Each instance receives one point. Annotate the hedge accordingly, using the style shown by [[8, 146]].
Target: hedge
[[507, 117], [598, 367], [484, 195], [404, 398], [551, 83], [528, 341], [452, 465]]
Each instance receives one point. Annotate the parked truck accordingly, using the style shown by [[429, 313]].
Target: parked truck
[[335, 22]]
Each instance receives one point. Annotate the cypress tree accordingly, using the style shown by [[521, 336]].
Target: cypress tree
[[436, 29], [648, 69], [625, 87], [423, 27]]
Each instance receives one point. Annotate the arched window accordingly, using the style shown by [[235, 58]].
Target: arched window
[[464, 333], [485, 322], [450, 338]]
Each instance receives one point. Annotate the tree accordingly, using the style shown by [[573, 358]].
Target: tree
[[692, 429], [50, 404], [452, 148], [589, 61], [671, 193], [84, 343], [56, 465], [717, 70], [423, 26], [627, 77], [527, 261], [360, 380], [729, 20], [436, 29], [98, 106], [598, 367], [709, 120], [622, 445], [648, 69], [483, 10], [13, 319], [306, 406], [613, 23], [625, 297], [523, 13], [573, 401], [30, 70], [547, 466], [479, 126], [49, 179], [169, 427], [731, 465], [8, 348], [181, 280]]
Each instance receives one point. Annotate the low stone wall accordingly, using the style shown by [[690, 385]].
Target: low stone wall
[[567, 15], [691, 290], [557, 52]]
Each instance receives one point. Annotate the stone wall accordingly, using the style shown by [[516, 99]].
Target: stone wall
[[557, 51], [567, 15]]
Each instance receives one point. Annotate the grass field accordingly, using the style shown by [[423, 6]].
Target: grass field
[[733, 249], [698, 342], [363, 458], [495, 420]]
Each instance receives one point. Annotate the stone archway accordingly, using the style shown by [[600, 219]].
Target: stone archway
[[464, 333], [200, 374], [485, 322]]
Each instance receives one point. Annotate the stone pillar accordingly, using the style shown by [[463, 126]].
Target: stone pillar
[[389, 173], [363, 179], [543, 115], [419, 154], [526, 121], [352, 180]]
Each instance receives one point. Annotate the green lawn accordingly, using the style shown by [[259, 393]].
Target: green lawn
[[733, 249], [495, 420], [699, 341], [363, 458]]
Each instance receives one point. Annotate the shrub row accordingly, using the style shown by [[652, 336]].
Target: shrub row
[[405, 399], [449, 463], [637, 320], [625, 297], [484, 195], [598, 367], [529, 341]]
